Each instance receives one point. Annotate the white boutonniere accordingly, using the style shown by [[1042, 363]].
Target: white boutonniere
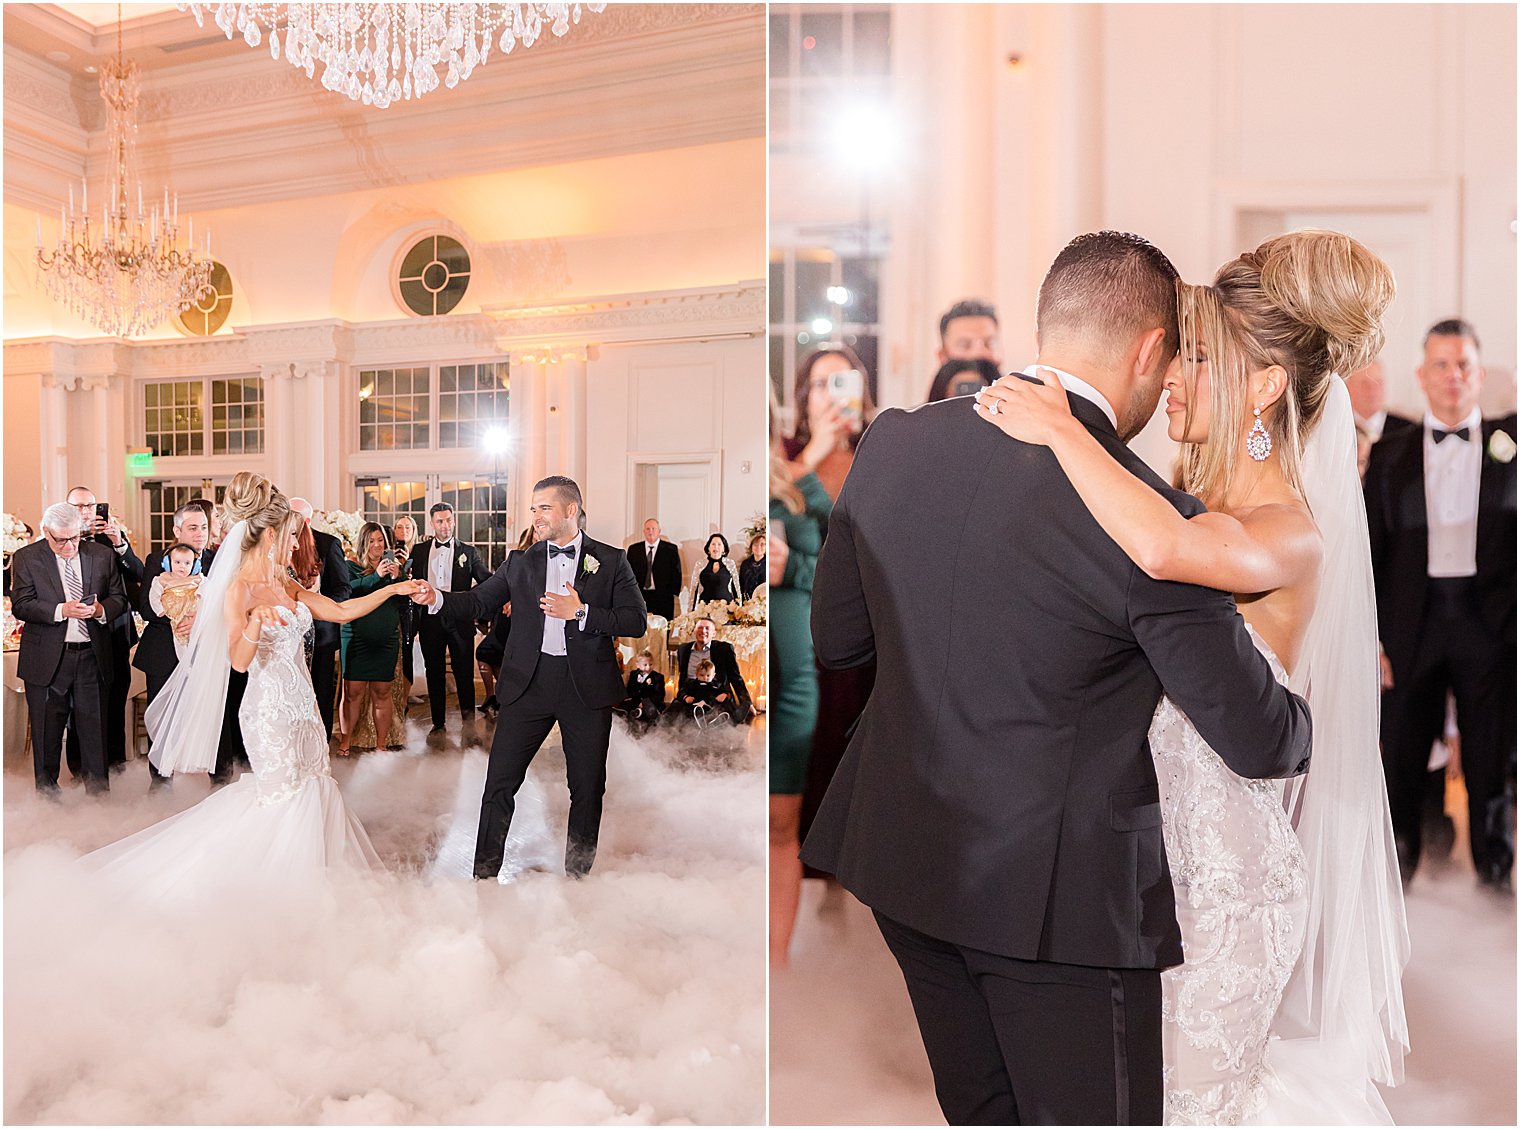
[[461, 560], [590, 564], [1501, 448]]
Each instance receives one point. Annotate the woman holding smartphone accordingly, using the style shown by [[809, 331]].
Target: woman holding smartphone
[[371, 644], [831, 386]]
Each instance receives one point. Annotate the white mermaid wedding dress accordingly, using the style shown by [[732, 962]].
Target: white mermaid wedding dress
[[281, 825], [1288, 1006]]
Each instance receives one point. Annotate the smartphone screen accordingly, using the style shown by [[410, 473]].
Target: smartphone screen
[[848, 389]]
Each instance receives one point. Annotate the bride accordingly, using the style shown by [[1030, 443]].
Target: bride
[[285, 821], [1288, 1005]]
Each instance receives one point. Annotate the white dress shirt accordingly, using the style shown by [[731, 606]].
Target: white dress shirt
[[1452, 470], [1373, 425], [441, 564], [1077, 387], [561, 576], [77, 632]]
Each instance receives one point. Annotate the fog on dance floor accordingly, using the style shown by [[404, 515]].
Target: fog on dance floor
[[636, 996]]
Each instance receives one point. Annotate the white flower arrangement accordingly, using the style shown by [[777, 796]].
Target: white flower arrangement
[[590, 564], [342, 524], [1501, 448], [759, 526], [14, 532]]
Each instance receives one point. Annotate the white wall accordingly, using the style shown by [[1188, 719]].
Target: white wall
[[1164, 119]]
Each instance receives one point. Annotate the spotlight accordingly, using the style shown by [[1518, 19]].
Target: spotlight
[[822, 327], [838, 295], [496, 440]]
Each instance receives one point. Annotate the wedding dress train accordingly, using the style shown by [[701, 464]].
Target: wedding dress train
[[281, 825]]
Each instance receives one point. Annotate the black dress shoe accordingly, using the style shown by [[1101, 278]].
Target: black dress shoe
[[435, 730]]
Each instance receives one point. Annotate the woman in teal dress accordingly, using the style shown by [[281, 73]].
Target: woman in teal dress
[[799, 517], [371, 644]]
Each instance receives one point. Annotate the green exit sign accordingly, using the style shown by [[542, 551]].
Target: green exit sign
[[140, 463]]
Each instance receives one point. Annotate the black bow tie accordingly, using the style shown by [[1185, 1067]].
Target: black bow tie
[[561, 550], [1461, 433], [443, 544]]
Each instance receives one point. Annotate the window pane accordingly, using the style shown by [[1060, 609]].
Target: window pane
[[822, 43]]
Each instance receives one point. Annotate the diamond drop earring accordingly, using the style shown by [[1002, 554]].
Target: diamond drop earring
[[1259, 440]]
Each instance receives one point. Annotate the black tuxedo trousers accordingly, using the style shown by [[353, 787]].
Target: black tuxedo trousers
[[457, 641], [1025, 1042], [520, 730], [75, 698]]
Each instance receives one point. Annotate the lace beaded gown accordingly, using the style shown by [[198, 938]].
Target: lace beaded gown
[[1240, 882], [282, 824]]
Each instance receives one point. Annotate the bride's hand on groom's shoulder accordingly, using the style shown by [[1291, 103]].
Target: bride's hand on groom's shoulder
[[1029, 412]]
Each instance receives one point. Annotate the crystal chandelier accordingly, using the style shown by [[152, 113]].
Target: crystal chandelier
[[129, 273], [381, 53]]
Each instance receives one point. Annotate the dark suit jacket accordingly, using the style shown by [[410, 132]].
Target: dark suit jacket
[[36, 592], [124, 628], [614, 608], [465, 577], [1400, 540], [155, 651], [998, 791], [727, 664], [1393, 425], [667, 567], [332, 582]]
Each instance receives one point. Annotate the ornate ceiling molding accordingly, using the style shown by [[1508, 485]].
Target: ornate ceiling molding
[[737, 310]]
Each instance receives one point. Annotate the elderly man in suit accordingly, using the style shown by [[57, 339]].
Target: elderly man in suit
[[656, 566], [333, 582], [68, 592], [103, 529], [1441, 519]]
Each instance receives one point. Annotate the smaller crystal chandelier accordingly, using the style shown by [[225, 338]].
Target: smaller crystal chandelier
[[129, 273], [382, 53]]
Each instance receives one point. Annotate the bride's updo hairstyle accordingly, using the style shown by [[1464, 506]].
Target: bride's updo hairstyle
[[1310, 301], [252, 498]]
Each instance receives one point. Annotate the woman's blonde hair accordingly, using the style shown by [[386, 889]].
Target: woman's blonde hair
[[252, 498], [1311, 302]]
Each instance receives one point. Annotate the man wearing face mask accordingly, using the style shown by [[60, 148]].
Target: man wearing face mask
[[1441, 517]]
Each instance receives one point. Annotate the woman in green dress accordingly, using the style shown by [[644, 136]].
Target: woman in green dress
[[371, 645], [799, 517]]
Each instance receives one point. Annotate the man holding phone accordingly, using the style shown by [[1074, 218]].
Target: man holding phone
[[100, 528], [67, 590]]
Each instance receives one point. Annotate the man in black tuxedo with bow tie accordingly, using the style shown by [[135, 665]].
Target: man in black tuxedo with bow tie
[[997, 806], [1441, 517], [448, 565], [68, 592], [571, 598]]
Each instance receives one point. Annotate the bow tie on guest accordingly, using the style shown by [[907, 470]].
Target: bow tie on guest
[[1439, 435], [561, 550], [443, 544]]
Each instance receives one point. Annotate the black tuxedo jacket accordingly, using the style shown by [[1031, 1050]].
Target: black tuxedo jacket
[[333, 582], [667, 567], [124, 627], [1394, 425], [614, 608], [36, 592], [1400, 539], [998, 791], [465, 576], [727, 664], [155, 651]]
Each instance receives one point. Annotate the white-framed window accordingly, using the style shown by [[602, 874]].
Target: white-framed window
[[480, 508], [161, 497], [818, 296], [820, 56], [432, 407], [209, 415]]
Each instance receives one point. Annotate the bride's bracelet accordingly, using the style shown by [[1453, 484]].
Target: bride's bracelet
[[252, 638]]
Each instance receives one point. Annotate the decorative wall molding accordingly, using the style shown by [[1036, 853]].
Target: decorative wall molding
[[304, 350], [733, 311]]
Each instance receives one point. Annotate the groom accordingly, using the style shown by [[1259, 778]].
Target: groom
[[997, 807], [571, 596]]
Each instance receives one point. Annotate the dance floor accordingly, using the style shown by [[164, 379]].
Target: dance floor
[[415, 996], [845, 1050]]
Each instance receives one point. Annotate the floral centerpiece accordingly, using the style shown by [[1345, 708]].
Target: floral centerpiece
[[342, 524], [753, 612], [759, 526], [15, 533]]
